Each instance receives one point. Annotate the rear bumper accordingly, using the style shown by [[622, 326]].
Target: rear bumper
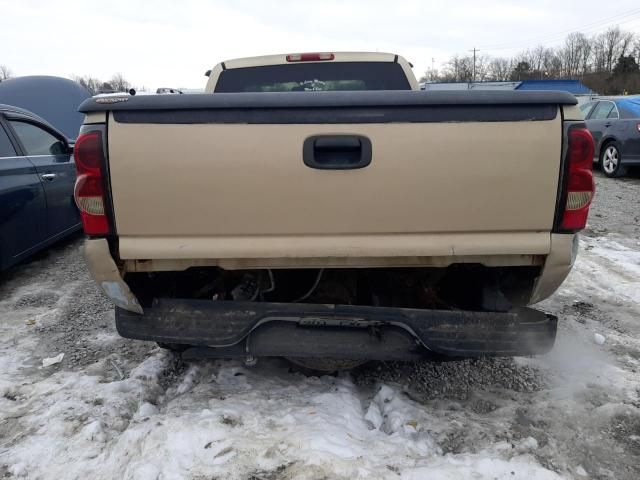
[[236, 329]]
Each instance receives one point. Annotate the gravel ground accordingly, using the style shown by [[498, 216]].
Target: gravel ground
[[574, 412], [616, 208]]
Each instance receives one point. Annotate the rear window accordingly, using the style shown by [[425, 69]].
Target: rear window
[[309, 77]]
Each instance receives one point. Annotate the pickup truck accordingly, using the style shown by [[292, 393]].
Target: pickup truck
[[362, 219]]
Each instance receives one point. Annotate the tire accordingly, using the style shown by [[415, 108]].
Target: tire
[[611, 160]]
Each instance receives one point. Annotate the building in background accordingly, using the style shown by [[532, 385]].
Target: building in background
[[574, 87]]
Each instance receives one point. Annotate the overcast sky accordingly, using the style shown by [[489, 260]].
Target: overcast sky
[[172, 43]]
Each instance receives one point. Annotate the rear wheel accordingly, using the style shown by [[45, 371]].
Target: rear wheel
[[611, 160]]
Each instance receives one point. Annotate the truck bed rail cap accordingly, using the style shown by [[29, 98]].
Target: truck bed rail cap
[[324, 99]]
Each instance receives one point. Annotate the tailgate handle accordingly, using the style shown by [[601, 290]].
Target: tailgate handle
[[337, 152]]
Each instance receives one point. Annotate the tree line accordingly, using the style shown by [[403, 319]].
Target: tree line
[[607, 63], [117, 83]]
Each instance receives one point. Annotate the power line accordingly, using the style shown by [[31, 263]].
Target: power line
[[562, 33], [623, 17], [589, 31]]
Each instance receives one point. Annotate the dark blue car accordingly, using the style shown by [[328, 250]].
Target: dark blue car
[[615, 125], [37, 176]]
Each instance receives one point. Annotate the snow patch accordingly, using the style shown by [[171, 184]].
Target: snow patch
[[599, 339], [47, 362], [481, 466]]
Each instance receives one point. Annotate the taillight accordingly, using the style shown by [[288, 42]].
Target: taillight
[[580, 185], [310, 57], [89, 191], [638, 127]]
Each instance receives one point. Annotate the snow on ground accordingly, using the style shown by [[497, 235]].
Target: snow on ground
[[115, 408]]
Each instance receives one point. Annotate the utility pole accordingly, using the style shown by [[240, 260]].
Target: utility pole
[[474, 62], [433, 61]]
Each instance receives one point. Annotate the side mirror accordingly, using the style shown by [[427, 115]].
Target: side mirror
[[62, 150]]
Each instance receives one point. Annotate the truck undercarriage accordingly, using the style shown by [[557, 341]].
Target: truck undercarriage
[[356, 314]]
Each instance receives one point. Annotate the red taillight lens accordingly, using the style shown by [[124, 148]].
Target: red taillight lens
[[580, 148], [580, 185], [310, 57], [87, 153], [89, 192]]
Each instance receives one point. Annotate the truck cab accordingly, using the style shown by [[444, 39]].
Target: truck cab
[[305, 72]]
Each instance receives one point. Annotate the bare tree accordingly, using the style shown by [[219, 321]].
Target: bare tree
[[536, 58], [106, 87], [500, 69], [94, 85], [575, 54], [90, 83], [613, 42], [599, 53], [626, 43], [5, 72], [459, 69], [586, 51], [521, 70], [119, 84], [429, 75], [605, 62], [542, 61], [481, 67], [551, 64]]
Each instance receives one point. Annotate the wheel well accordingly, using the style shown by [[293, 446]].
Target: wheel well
[[604, 145]]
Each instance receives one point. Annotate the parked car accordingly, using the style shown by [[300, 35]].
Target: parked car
[[614, 123], [37, 176], [389, 223]]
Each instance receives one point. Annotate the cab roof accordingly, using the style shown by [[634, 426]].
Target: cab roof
[[281, 59]]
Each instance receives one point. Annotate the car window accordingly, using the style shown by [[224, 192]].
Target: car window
[[37, 141], [613, 113], [586, 108], [602, 110], [6, 148]]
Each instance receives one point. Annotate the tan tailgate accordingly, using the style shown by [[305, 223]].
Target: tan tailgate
[[187, 191]]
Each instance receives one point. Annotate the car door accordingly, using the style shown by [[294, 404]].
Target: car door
[[50, 154], [599, 121], [23, 206], [630, 129]]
